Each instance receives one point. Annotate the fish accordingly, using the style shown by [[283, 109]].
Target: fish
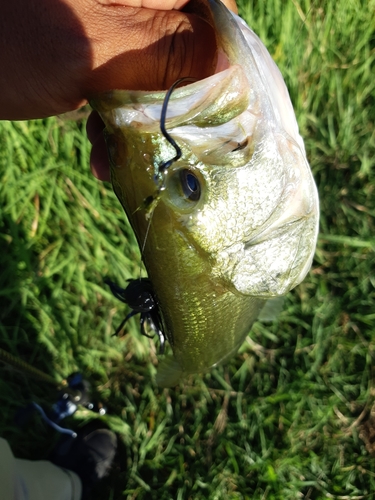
[[231, 224]]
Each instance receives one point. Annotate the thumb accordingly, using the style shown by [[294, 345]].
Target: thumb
[[145, 49]]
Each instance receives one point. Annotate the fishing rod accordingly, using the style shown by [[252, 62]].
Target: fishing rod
[[22, 366]]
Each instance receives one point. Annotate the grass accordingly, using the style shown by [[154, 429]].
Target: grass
[[292, 415]]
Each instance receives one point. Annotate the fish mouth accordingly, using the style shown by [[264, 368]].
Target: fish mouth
[[222, 62]]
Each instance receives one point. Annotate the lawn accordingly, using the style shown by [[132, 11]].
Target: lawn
[[293, 414]]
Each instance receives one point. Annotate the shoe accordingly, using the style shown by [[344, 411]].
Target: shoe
[[90, 455]]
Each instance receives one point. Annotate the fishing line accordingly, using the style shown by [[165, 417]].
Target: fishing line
[[144, 242]]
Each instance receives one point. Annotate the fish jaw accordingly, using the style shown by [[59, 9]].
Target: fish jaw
[[251, 235]]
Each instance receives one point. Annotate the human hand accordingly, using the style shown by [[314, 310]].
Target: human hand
[[99, 158], [56, 54]]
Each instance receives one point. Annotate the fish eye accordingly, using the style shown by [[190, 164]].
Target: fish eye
[[184, 188], [190, 185]]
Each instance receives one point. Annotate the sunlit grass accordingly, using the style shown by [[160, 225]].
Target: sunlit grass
[[290, 416]]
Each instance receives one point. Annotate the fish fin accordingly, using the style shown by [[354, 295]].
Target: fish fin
[[169, 372], [271, 309]]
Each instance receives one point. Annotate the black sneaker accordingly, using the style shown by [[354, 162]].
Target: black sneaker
[[89, 455]]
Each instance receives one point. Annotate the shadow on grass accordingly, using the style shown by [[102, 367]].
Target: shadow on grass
[[19, 337]]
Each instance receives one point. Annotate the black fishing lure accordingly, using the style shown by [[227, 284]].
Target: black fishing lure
[[139, 296]]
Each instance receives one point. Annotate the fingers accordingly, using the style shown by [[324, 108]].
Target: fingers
[[165, 5], [62, 53], [148, 4], [231, 5], [144, 49], [145, 45], [99, 158], [94, 126]]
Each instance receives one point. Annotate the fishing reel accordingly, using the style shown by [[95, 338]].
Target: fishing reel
[[77, 391]]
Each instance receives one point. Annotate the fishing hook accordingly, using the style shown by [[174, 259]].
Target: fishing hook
[[164, 166], [159, 178]]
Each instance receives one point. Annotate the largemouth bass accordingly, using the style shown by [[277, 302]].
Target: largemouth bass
[[234, 221]]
